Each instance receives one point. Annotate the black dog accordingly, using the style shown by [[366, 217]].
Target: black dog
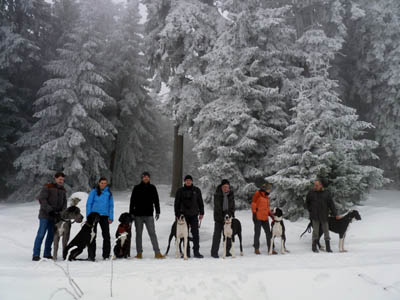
[[278, 230], [122, 248], [338, 226], [84, 237]]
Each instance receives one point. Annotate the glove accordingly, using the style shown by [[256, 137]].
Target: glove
[[157, 217], [254, 217], [201, 217], [132, 217]]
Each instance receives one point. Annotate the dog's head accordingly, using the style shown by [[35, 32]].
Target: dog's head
[[228, 219], [278, 214], [354, 214], [75, 201], [181, 220], [72, 213], [125, 218], [93, 218]]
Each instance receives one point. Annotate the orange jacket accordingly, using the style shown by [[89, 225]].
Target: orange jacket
[[260, 206]]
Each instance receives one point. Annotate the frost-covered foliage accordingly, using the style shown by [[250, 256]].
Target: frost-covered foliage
[[71, 128], [377, 75], [324, 138], [247, 83], [136, 124]]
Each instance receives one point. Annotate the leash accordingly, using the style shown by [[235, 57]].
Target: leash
[[308, 229]]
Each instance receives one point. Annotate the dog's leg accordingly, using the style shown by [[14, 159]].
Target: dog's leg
[[185, 245], [225, 242], [272, 245], [55, 244], [240, 242], [282, 246], [177, 247], [233, 248]]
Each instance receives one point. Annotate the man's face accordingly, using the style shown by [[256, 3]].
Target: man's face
[[188, 182], [60, 180], [225, 188], [102, 184], [146, 179], [317, 185]]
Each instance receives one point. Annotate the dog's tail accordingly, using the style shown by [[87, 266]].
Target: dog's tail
[[169, 243], [309, 227]]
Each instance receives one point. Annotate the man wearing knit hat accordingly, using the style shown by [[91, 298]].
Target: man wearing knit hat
[[144, 199], [189, 202], [224, 204]]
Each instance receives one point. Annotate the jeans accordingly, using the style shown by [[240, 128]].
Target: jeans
[[105, 231], [257, 231], [45, 225], [151, 229]]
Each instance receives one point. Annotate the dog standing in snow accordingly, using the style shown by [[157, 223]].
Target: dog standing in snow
[[63, 225], [278, 230], [182, 232], [232, 227]]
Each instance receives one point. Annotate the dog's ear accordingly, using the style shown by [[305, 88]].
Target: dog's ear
[[75, 201]]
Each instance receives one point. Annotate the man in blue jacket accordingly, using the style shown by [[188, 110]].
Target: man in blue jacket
[[100, 200]]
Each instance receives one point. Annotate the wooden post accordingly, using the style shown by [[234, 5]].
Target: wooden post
[[177, 162]]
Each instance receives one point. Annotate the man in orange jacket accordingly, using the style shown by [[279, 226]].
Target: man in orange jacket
[[261, 212]]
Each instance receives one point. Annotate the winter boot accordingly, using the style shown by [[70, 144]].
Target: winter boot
[[158, 255], [36, 258], [328, 246], [139, 255], [197, 254], [314, 247]]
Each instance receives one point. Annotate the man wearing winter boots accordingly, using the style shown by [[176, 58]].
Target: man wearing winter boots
[[189, 202], [144, 199], [261, 211], [224, 204], [319, 202], [53, 200]]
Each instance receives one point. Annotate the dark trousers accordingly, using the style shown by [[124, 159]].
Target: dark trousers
[[257, 231], [105, 231], [218, 230], [193, 222]]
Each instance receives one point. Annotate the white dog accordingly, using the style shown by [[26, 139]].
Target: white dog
[[182, 232]]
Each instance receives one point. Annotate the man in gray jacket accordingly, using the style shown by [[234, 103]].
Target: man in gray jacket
[[319, 202], [53, 200]]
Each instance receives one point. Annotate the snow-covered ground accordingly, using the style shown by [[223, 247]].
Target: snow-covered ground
[[370, 270]]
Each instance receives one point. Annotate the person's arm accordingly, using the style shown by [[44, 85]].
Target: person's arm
[[65, 201], [308, 201], [43, 200], [232, 211], [89, 202], [132, 203], [111, 208], [331, 206], [156, 202], [254, 203], [200, 203]]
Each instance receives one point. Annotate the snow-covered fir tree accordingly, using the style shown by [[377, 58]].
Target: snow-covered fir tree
[[324, 138], [71, 128], [136, 119], [247, 84], [376, 74]]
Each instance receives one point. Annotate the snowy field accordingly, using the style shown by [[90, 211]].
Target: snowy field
[[370, 270]]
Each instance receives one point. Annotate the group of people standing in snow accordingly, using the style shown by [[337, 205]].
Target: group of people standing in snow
[[188, 202]]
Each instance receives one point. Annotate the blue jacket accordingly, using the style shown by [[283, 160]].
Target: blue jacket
[[103, 204]]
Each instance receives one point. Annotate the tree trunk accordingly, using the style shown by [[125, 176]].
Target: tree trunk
[[177, 162]]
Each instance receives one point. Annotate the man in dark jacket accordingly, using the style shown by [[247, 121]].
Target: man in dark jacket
[[53, 200], [319, 202], [144, 199], [189, 202], [224, 204]]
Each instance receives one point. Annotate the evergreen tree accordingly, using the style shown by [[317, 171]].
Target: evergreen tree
[[248, 84], [324, 138], [71, 128]]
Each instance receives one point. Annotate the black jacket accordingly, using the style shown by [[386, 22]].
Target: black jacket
[[319, 204], [219, 214], [144, 199], [52, 198], [188, 201]]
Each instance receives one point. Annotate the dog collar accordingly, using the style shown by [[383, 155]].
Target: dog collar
[[278, 219]]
